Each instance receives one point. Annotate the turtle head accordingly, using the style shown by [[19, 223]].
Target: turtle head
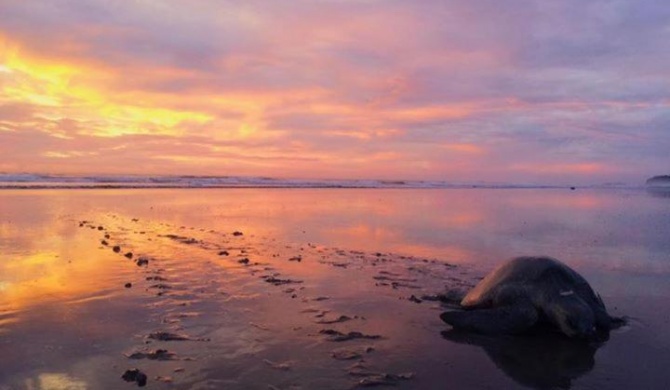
[[574, 318], [579, 326]]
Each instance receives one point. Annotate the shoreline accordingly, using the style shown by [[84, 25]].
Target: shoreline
[[408, 187]]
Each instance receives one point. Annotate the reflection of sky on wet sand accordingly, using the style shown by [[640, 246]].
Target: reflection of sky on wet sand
[[51, 264], [63, 291], [589, 229], [592, 230], [55, 381]]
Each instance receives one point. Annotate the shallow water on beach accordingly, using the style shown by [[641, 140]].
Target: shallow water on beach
[[323, 288]]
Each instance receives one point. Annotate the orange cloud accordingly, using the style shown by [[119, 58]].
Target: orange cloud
[[73, 90], [559, 168], [464, 148]]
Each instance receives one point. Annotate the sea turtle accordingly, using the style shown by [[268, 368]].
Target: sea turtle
[[526, 291]]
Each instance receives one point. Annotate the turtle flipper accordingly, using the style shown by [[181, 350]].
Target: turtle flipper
[[508, 319]]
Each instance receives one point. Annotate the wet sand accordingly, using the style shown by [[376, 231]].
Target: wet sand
[[305, 289]]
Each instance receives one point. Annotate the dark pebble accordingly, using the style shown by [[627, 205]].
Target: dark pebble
[[338, 336], [167, 336], [278, 282], [159, 354], [129, 255], [237, 233], [101, 228], [243, 261], [161, 286], [223, 253], [128, 285], [135, 375], [104, 242], [142, 261], [116, 248]]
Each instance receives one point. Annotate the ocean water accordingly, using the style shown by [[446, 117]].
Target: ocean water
[[309, 261]]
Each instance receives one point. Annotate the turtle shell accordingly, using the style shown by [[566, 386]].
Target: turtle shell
[[535, 277]]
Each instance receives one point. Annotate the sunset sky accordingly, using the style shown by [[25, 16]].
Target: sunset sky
[[544, 91]]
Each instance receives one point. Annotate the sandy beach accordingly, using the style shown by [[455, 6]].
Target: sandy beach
[[314, 288]]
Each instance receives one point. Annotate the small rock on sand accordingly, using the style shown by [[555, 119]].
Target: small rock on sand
[[414, 299], [129, 255], [135, 375], [341, 318], [167, 336], [128, 285], [277, 282], [159, 354], [338, 336], [116, 248], [161, 286], [142, 261], [237, 233]]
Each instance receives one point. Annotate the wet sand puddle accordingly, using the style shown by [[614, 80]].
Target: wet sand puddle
[[232, 310]]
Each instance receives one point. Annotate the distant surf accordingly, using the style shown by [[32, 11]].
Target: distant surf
[[44, 181]]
